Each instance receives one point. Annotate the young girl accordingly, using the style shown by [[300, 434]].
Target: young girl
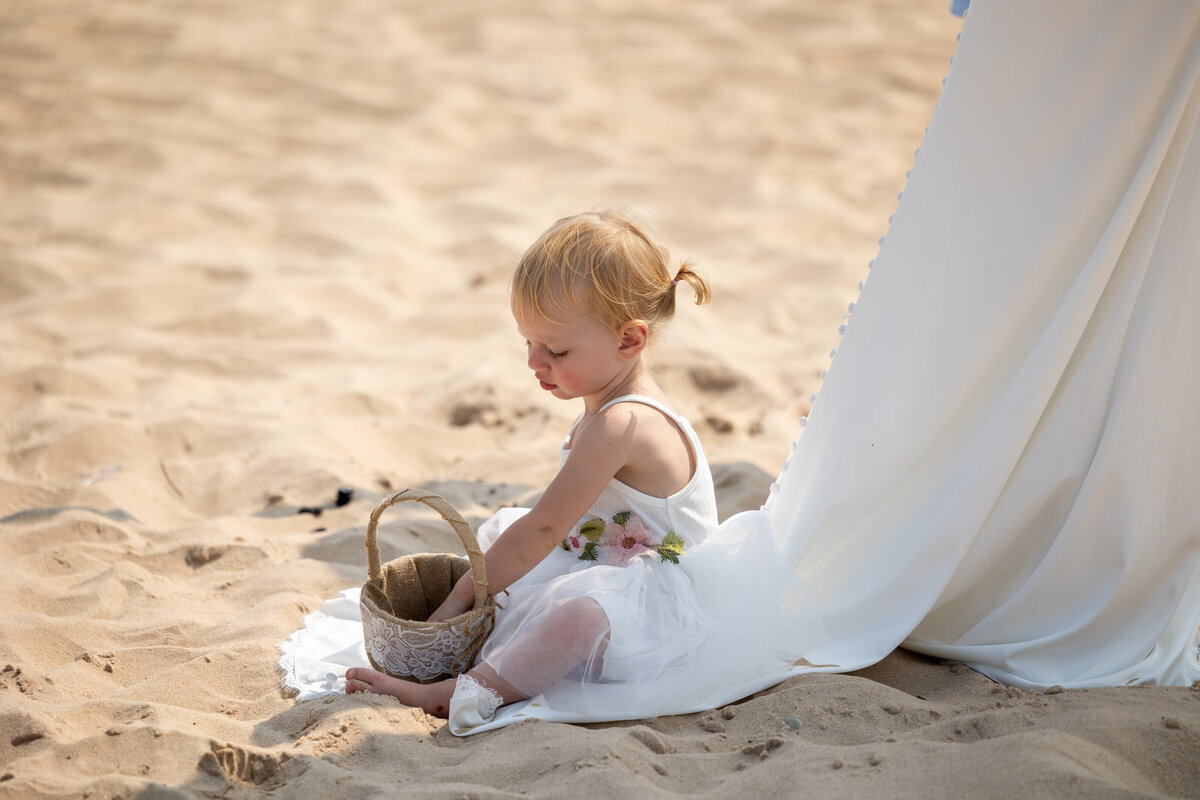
[[608, 585]]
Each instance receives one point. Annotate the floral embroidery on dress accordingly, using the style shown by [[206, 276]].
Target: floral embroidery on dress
[[621, 542]]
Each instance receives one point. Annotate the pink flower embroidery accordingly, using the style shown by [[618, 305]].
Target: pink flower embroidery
[[627, 541], [621, 542]]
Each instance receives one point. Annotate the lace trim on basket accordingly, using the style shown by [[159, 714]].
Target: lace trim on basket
[[423, 654]]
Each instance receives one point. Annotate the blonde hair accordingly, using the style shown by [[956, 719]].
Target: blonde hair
[[604, 264]]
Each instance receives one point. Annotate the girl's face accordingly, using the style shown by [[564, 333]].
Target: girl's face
[[575, 355]]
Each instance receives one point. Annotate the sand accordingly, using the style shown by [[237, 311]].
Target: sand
[[252, 253]]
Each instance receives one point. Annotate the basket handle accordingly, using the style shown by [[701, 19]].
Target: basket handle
[[460, 526]]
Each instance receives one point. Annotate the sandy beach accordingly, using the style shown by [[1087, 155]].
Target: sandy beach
[[255, 253]]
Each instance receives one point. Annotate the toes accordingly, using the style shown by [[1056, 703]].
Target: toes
[[364, 680], [361, 675], [359, 680]]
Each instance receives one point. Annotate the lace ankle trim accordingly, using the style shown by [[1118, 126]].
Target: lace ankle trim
[[472, 704]]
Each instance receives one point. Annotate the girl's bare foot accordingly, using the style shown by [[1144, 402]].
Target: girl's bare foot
[[431, 698], [369, 680]]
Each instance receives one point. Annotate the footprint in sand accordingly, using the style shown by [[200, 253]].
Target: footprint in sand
[[239, 764], [714, 379], [652, 742], [482, 413]]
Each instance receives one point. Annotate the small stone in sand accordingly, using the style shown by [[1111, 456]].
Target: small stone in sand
[[199, 555]]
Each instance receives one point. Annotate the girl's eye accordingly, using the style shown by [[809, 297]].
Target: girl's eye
[[549, 352]]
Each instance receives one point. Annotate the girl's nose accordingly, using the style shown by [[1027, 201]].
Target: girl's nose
[[535, 361]]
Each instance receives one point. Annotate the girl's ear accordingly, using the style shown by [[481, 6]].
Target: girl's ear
[[634, 336]]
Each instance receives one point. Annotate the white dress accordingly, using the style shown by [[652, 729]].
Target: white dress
[[698, 614], [692, 607]]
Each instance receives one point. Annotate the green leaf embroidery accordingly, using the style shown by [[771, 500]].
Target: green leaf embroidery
[[592, 530], [622, 517], [565, 545], [589, 552], [671, 548]]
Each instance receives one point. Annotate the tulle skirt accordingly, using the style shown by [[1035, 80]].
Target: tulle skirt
[[729, 619]]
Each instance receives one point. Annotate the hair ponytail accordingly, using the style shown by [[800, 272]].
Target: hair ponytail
[[695, 280]]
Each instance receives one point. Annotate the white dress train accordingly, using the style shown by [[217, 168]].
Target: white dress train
[[1005, 457]]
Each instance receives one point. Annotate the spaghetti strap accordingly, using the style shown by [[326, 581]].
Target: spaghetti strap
[[644, 400], [680, 422]]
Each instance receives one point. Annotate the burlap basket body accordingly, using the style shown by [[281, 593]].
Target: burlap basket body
[[399, 596]]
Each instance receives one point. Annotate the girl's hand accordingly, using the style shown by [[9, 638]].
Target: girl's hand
[[459, 601]]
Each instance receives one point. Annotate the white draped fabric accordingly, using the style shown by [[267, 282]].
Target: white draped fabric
[[1003, 466]]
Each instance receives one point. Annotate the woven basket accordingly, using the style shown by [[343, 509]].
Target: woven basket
[[398, 598]]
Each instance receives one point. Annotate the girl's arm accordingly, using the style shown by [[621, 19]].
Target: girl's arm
[[601, 448]]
